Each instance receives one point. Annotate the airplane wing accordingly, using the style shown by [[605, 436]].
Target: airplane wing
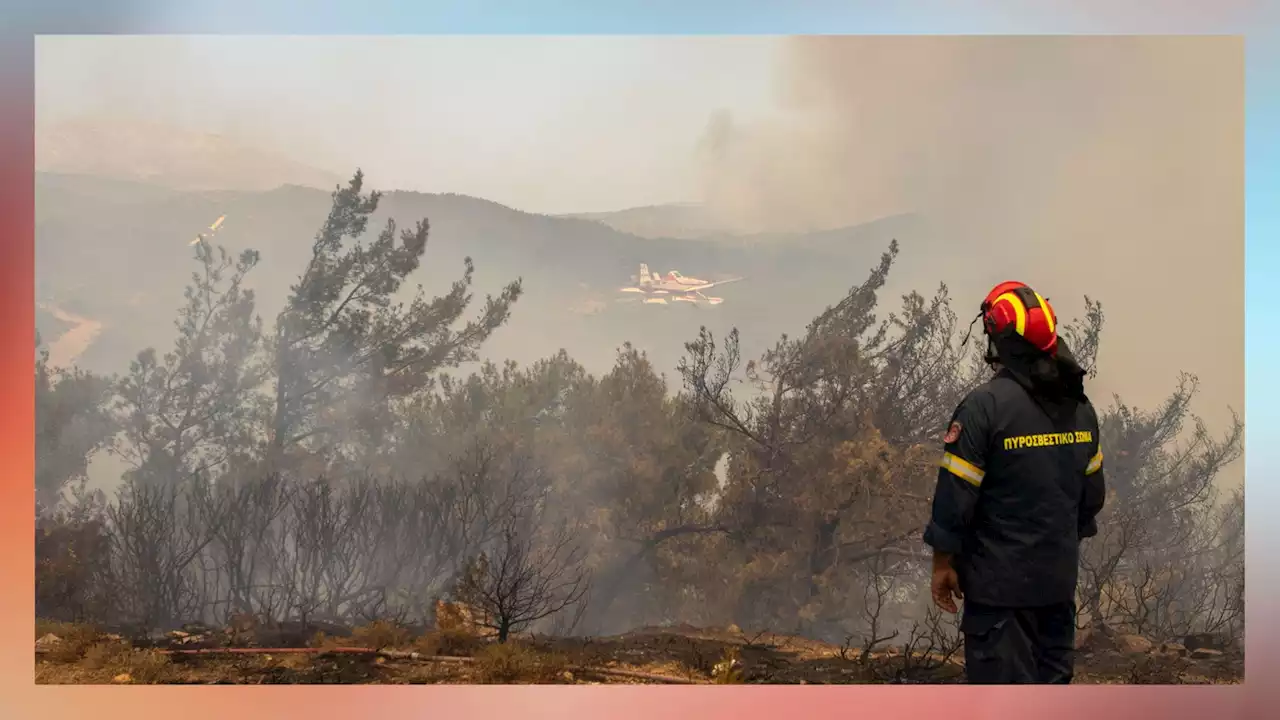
[[706, 286]]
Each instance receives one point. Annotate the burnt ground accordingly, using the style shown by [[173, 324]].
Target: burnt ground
[[651, 655]]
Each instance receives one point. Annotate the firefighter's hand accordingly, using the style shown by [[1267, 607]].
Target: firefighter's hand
[[946, 588]]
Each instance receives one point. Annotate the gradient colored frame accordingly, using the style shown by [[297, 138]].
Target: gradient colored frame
[[20, 698]]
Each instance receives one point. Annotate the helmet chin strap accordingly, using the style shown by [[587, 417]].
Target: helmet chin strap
[[992, 356], [969, 333]]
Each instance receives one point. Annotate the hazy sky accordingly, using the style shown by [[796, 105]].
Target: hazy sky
[[546, 124]]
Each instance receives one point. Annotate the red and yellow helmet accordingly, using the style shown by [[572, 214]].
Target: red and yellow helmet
[[1012, 307]]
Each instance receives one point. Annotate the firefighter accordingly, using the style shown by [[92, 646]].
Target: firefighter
[[1019, 486]]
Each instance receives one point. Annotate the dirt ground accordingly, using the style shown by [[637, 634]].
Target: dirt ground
[[654, 655]]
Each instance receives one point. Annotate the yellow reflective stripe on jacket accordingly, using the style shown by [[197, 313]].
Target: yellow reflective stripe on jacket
[[1095, 464], [962, 469]]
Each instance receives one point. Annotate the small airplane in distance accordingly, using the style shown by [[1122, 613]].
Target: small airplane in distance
[[659, 289], [212, 230]]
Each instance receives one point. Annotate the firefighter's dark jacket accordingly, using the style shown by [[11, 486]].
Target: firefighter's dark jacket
[[1019, 486]]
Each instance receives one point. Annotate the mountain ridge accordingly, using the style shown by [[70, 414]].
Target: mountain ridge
[[118, 252]]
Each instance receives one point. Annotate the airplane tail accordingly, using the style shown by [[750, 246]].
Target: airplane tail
[[644, 278]]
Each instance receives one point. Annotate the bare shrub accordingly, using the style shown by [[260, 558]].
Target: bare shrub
[[528, 574]]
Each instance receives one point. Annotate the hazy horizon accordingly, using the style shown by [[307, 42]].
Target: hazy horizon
[[483, 116]]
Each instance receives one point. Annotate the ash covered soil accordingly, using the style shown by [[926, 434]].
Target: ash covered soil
[[383, 654]]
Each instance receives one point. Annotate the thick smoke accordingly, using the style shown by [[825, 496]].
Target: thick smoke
[[1106, 166]]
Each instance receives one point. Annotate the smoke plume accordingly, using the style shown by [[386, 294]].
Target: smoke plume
[[1106, 166]]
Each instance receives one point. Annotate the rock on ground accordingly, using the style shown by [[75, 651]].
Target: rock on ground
[[1132, 644]]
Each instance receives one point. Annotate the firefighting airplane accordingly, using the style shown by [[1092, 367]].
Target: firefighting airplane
[[658, 289], [213, 229]]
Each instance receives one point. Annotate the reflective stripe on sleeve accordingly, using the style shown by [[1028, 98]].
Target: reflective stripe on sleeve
[[1095, 464], [962, 469]]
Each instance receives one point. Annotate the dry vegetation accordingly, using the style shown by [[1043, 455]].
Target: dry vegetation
[[327, 483], [383, 653]]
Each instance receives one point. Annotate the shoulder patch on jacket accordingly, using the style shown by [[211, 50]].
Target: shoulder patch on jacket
[[953, 433]]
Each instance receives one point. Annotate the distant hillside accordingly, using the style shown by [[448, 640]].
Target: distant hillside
[[167, 156], [688, 221], [118, 253]]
